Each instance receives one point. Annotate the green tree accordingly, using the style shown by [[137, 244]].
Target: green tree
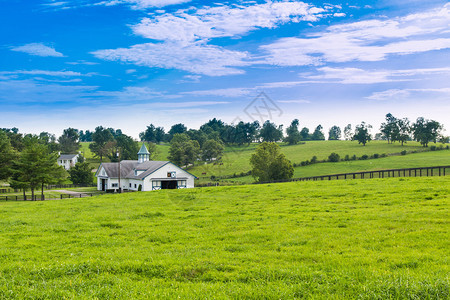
[[362, 134], [304, 134], [15, 138], [318, 134], [403, 131], [81, 173], [177, 128], [212, 149], [7, 154], [270, 132], [389, 128], [292, 133], [334, 133], [35, 167], [102, 138], [426, 131], [183, 151], [268, 163], [125, 146], [69, 141], [348, 132]]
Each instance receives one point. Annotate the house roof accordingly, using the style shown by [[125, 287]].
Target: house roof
[[67, 156], [143, 150]]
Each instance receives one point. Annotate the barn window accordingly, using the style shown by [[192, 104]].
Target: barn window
[[115, 185]]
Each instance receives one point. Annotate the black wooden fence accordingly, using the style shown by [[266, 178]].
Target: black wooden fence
[[409, 172], [6, 189], [38, 197]]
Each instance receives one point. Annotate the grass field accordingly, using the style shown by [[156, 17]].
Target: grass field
[[365, 239], [237, 159], [414, 160]]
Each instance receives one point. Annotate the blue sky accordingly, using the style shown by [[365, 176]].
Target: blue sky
[[128, 63]]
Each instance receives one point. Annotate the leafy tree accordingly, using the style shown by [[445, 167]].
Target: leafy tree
[[86, 136], [7, 154], [177, 128], [15, 138], [126, 146], [293, 134], [362, 134], [403, 130], [334, 157], [348, 132], [334, 133], [389, 128], [212, 149], [197, 135], [213, 125], [183, 151], [81, 173], [318, 134], [268, 163], [69, 141], [102, 144], [270, 132], [426, 131], [304, 134]]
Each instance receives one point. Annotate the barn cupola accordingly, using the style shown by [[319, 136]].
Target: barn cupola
[[143, 154]]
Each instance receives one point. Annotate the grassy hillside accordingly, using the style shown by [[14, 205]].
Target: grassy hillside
[[366, 239], [237, 159], [414, 160]]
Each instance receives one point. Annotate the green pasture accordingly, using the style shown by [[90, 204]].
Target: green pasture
[[355, 239], [414, 160], [237, 159]]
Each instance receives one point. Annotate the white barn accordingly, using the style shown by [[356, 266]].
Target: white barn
[[67, 160], [143, 174]]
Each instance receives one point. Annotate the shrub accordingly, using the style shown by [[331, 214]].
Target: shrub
[[347, 157], [433, 148], [383, 155], [403, 152], [354, 157], [334, 157], [376, 155], [314, 159], [140, 188], [364, 157]]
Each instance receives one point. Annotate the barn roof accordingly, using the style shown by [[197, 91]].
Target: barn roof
[[127, 168]]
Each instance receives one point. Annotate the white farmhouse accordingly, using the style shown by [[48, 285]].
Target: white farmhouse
[[142, 174], [67, 160]]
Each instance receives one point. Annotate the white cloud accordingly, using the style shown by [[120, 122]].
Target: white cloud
[[142, 4], [360, 76], [224, 21], [371, 40], [38, 49], [229, 92], [301, 101], [405, 93], [196, 58], [47, 73]]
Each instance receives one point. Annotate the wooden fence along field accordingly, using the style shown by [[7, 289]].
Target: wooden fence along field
[[38, 197], [408, 172]]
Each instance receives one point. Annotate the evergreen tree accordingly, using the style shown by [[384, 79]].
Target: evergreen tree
[[81, 173]]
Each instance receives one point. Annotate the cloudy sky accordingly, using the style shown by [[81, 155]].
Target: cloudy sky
[[128, 63]]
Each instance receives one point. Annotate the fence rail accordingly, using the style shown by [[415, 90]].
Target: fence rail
[[409, 172], [38, 197], [5, 190]]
